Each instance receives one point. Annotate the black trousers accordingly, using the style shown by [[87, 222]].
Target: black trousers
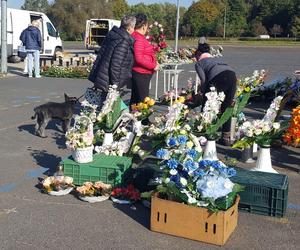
[[140, 87], [224, 82]]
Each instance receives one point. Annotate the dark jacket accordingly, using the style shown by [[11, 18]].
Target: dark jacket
[[208, 68], [31, 38], [114, 61]]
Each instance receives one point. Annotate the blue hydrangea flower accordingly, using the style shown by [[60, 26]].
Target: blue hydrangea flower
[[231, 172], [199, 173], [162, 153], [192, 153], [214, 187], [190, 166], [172, 142], [172, 163], [182, 139]]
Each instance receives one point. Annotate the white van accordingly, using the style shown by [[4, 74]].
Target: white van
[[18, 20], [96, 30]]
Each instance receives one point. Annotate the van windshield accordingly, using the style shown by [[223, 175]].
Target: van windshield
[[51, 30]]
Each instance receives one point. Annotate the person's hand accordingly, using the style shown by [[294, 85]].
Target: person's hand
[[157, 67]]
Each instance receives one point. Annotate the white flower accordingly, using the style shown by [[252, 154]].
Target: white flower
[[258, 131], [276, 125], [183, 181], [167, 180], [141, 153], [155, 23], [159, 25], [68, 180], [135, 149], [228, 184], [187, 127], [173, 172]]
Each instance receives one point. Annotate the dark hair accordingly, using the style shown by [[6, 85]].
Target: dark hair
[[141, 19], [203, 48]]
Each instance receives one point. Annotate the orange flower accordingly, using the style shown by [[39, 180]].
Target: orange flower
[[292, 136]]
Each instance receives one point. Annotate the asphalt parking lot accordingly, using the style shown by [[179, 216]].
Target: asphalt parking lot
[[32, 220]]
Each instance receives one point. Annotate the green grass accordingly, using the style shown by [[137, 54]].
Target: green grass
[[237, 42]]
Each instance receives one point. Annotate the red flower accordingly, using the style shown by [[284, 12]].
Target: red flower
[[163, 45]]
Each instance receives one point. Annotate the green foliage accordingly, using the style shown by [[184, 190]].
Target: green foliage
[[35, 5], [240, 103], [224, 118], [64, 72]]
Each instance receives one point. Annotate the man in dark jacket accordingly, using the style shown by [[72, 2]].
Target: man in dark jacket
[[31, 39], [115, 58]]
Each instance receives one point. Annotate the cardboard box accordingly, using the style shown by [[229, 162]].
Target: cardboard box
[[191, 222]]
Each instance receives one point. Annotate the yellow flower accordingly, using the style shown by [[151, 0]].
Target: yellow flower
[[190, 144], [183, 132], [247, 89], [140, 106], [151, 102], [181, 99], [134, 107], [147, 99], [145, 106]]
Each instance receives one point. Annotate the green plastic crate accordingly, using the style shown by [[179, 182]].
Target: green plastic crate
[[109, 169], [265, 193]]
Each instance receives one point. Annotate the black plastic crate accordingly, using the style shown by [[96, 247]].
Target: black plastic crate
[[265, 193]]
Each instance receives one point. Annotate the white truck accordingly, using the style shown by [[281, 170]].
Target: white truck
[[18, 20], [96, 30]]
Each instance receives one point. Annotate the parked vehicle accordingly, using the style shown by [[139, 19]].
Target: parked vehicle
[[96, 30], [18, 20], [263, 37]]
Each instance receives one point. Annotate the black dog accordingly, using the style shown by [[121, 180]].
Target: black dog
[[52, 110]]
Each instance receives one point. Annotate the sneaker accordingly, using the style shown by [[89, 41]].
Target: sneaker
[[25, 72], [38, 77], [30, 76]]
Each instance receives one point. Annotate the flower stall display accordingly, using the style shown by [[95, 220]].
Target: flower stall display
[[94, 192], [125, 195], [58, 185], [263, 132], [292, 135], [80, 139]]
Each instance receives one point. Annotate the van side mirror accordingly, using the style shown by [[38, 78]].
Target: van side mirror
[[57, 34]]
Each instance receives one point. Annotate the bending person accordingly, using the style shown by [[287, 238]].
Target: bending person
[[214, 72]]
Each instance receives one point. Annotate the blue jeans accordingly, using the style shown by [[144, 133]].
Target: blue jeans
[[33, 54]]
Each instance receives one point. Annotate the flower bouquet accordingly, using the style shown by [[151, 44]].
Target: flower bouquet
[[246, 87], [94, 192], [186, 178], [58, 185], [208, 122], [125, 195], [262, 132], [80, 139], [158, 39], [143, 109], [292, 135], [169, 124]]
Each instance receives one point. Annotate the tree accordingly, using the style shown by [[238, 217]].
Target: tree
[[35, 5], [70, 16], [295, 29], [202, 17], [119, 8], [258, 29], [276, 30]]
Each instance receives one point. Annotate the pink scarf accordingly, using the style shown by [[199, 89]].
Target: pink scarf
[[204, 55]]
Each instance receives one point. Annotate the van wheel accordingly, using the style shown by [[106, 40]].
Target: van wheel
[[14, 59], [56, 51]]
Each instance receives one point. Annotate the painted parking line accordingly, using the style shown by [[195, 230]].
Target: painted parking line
[[30, 174], [33, 97], [7, 187], [293, 206]]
